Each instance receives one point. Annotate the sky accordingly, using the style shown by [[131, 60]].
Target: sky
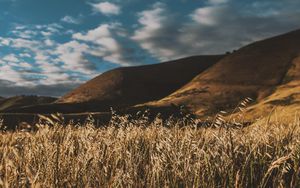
[[48, 47]]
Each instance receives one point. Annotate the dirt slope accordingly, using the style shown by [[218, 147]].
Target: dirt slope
[[253, 71], [133, 85]]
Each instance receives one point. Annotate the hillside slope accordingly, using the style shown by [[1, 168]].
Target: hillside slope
[[22, 101], [283, 104], [127, 86], [133, 85], [253, 71]]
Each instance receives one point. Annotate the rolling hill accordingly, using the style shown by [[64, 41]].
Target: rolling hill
[[132, 85], [283, 104], [261, 71], [22, 101], [127, 86], [267, 71]]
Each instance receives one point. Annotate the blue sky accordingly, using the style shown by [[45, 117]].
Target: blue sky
[[48, 47]]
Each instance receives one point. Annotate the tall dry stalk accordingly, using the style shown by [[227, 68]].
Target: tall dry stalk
[[139, 153]]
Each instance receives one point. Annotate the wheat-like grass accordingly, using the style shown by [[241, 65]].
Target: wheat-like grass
[[139, 153]]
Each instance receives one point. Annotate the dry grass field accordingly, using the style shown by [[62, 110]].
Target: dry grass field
[[139, 153]]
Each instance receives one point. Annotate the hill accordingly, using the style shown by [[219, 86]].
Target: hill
[[127, 86], [283, 104], [132, 85], [266, 71], [22, 101], [257, 71]]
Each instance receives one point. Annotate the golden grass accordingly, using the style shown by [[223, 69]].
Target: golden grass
[[158, 154]]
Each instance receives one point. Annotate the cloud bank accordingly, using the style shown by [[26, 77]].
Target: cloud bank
[[55, 57]]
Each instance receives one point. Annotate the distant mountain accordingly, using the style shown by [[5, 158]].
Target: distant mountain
[[265, 70], [22, 101]]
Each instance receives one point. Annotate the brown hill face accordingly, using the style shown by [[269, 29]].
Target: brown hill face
[[283, 104], [253, 71], [22, 101], [132, 85]]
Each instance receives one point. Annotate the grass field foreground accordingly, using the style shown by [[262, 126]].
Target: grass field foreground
[[158, 154]]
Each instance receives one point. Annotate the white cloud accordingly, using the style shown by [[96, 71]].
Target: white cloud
[[25, 34], [214, 28], [11, 58], [49, 42], [25, 55], [11, 75], [4, 42], [95, 34], [42, 61], [72, 54], [49, 26], [48, 29], [210, 15], [46, 33], [105, 45], [24, 43], [56, 78], [40, 56], [25, 65], [70, 20], [52, 65], [20, 27], [152, 29], [151, 20], [106, 8]]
